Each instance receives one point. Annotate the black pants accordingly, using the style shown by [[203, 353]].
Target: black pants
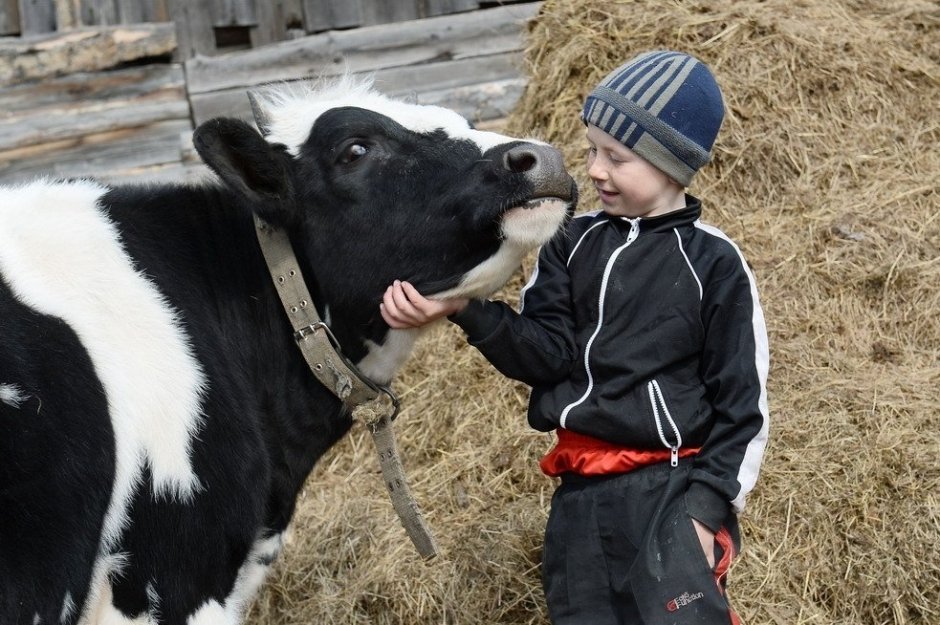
[[622, 550]]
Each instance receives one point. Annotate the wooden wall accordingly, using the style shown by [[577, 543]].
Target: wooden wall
[[211, 26], [110, 101]]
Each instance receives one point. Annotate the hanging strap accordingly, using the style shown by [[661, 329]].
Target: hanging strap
[[376, 417], [374, 405], [314, 338]]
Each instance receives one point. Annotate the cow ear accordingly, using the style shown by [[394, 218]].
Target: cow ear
[[255, 169]]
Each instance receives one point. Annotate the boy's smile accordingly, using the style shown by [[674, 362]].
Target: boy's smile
[[627, 184]]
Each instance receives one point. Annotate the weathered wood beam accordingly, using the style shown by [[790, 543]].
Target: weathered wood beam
[[320, 15], [85, 49], [367, 49], [98, 154], [194, 31], [155, 81], [36, 16], [68, 14], [445, 7], [466, 79], [70, 107], [9, 17], [70, 122]]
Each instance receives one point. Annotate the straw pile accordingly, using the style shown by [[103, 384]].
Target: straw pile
[[827, 174]]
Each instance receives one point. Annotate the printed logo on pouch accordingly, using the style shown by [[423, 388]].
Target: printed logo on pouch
[[683, 600]]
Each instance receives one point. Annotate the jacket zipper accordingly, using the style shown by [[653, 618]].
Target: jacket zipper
[[631, 237], [634, 229], [657, 400]]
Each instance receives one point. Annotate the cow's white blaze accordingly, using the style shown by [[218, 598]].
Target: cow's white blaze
[[294, 109], [12, 395], [62, 256]]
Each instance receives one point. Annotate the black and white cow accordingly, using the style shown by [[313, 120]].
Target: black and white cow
[[156, 418]]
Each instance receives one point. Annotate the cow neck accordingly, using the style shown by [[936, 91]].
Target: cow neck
[[374, 405]]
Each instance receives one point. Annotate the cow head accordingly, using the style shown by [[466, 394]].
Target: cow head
[[373, 189]]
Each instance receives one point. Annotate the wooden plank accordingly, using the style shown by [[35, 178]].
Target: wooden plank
[[193, 28], [96, 154], [407, 80], [277, 20], [156, 11], [373, 48], [150, 82], [68, 14], [84, 49], [271, 23], [446, 7], [36, 16], [131, 11], [77, 105], [99, 13], [448, 75], [71, 122], [172, 173], [234, 12], [320, 15], [479, 103], [389, 11], [9, 17]]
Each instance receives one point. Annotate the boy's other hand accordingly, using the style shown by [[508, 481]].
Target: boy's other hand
[[403, 307], [707, 539]]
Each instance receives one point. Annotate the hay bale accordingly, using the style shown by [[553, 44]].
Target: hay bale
[[828, 176]]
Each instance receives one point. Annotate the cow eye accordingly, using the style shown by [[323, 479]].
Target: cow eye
[[353, 152]]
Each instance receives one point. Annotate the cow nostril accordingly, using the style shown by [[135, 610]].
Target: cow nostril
[[520, 160]]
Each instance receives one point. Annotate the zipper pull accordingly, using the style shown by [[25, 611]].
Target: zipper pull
[[674, 456], [634, 229]]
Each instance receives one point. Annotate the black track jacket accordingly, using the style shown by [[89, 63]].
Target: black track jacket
[[647, 333]]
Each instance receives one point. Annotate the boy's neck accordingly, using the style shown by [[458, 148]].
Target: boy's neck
[[670, 203]]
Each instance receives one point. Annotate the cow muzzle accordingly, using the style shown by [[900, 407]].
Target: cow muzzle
[[535, 220], [544, 168]]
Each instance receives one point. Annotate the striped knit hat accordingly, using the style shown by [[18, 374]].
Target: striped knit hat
[[665, 106]]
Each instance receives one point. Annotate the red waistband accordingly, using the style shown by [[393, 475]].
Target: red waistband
[[586, 455]]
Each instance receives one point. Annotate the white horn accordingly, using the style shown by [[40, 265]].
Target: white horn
[[262, 119]]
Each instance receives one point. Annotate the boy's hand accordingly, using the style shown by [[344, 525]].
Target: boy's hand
[[707, 539], [403, 307]]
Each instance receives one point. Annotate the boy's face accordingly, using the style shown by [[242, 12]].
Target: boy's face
[[627, 184]]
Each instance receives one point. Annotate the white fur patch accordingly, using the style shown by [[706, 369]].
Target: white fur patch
[[531, 226], [383, 361], [68, 608], [523, 229], [211, 613], [12, 395], [101, 610], [293, 108], [252, 575], [62, 256], [488, 276]]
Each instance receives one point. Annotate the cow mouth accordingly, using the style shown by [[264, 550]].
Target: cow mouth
[[538, 202], [533, 222]]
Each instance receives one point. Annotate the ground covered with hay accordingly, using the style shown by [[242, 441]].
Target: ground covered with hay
[[827, 174]]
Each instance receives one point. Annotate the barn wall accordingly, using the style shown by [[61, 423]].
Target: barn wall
[[119, 101], [213, 26]]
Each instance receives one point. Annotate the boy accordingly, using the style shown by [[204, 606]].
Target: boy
[[642, 338]]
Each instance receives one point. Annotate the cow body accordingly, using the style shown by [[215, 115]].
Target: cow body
[[156, 418]]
